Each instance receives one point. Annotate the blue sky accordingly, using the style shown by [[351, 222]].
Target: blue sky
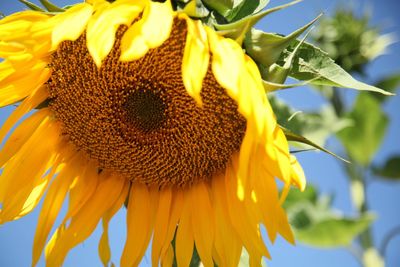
[[16, 238]]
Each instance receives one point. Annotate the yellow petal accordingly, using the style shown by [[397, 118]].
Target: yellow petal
[[26, 170], [227, 62], [139, 225], [184, 235], [9, 49], [202, 222], [20, 136], [103, 25], [17, 86], [51, 207], [85, 221], [168, 258], [160, 225], [195, 58], [70, 24], [239, 214], [298, 176], [104, 247], [175, 214], [282, 156], [17, 25], [83, 187], [27, 105], [246, 150], [227, 243], [148, 32]]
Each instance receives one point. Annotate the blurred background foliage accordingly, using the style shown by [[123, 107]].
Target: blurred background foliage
[[360, 128]]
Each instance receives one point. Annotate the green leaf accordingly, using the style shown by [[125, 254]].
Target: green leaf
[[333, 232], [246, 8], [363, 139], [290, 136], [311, 62], [221, 6], [273, 86], [390, 169], [266, 48], [238, 29]]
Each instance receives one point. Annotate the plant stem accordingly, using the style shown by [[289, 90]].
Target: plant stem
[[337, 102], [388, 237]]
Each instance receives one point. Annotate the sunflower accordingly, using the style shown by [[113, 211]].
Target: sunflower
[[132, 102]]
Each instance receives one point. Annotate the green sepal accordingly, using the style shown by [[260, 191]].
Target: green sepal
[[50, 6], [31, 6], [223, 7], [266, 48], [238, 29], [311, 62], [279, 74], [290, 136], [246, 8]]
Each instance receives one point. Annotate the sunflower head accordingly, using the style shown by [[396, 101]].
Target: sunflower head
[[136, 101]]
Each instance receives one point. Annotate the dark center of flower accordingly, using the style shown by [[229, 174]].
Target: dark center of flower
[[145, 109], [136, 118]]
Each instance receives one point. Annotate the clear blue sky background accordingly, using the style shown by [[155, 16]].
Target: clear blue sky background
[[16, 238]]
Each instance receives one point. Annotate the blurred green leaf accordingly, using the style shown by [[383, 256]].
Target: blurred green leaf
[[372, 258], [349, 39], [295, 196], [390, 169], [312, 63], [334, 231], [390, 83], [316, 126], [316, 223], [245, 259], [369, 127]]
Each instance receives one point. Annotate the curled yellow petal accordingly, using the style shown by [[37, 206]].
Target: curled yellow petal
[[148, 32], [195, 58], [70, 24], [104, 24]]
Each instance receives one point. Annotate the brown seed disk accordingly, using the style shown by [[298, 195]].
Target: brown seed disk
[[136, 118]]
